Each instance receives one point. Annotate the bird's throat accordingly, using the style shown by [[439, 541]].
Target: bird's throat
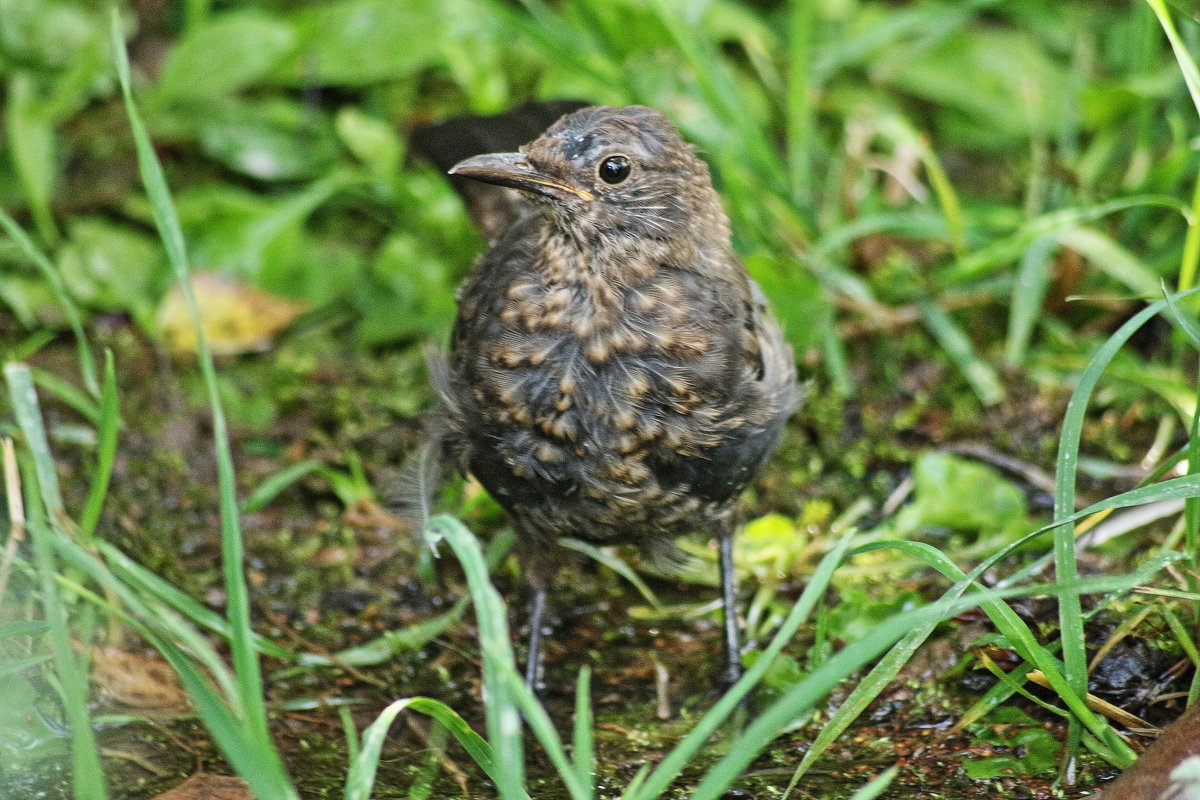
[[603, 262]]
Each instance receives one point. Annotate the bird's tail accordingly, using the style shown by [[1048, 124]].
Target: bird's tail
[[413, 494]]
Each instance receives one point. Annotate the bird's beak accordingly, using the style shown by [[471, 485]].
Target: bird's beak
[[513, 171]]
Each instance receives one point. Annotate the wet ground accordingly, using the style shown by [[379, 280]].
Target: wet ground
[[330, 569]]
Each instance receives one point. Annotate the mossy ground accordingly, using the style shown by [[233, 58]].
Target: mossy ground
[[327, 575]]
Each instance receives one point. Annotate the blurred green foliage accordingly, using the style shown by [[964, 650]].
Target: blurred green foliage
[[956, 494], [964, 168], [874, 156]]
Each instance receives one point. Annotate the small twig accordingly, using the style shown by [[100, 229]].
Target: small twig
[[16, 511], [184, 743], [1118, 715], [897, 497], [135, 758], [1126, 628], [312, 719], [1168, 697], [662, 681], [886, 319]]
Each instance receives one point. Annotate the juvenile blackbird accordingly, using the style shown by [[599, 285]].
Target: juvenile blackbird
[[614, 375]]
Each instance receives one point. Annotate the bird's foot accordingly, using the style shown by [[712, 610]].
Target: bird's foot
[[730, 674]]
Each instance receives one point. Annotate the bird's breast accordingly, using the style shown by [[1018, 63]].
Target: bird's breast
[[585, 383]]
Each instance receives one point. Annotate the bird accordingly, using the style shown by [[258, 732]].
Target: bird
[[613, 375]]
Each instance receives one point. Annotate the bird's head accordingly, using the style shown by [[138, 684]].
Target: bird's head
[[611, 173]]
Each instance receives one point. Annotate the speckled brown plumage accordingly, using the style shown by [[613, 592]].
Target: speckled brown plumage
[[614, 375]]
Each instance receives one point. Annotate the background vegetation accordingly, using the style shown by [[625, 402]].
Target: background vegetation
[[968, 216]]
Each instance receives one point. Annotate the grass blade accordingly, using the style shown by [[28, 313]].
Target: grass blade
[[1106, 255], [861, 697], [1191, 75], [583, 753], [385, 647], [260, 767], [24, 400], [979, 374], [875, 682], [903, 134], [1191, 244], [167, 222], [508, 697], [31, 143], [798, 699], [1028, 294], [578, 787], [671, 766], [1002, 252], [78, 400], [210, 686], [361, 778], [249, 702], [86, 363], [803, 695], [43, 512], [616, 564], [23, 627], [503, 717], [1014, 629], [129, 573], [878, 784], [1067, 463], [720, 93], [21, 664], [15, 506], [106, 452], [276, 483], [799, 105]]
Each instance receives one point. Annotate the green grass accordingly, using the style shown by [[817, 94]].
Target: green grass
[[240, 723], [977, 147], [43, 502]]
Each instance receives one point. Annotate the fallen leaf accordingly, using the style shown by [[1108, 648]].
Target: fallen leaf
[[140, 682], [237, 317], [209, 787]]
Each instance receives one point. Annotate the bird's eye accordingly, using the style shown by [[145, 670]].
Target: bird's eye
[[614, 169]]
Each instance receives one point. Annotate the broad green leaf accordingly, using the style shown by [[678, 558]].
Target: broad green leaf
[[371, 140], [47, 34], [111, 267], [32, 144], [797, 300], [359, 42], [272, 141], [224, 55], [962, 495], [412, 292]]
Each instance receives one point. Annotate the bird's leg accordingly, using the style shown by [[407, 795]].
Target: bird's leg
[[733, 649], [537, 609]]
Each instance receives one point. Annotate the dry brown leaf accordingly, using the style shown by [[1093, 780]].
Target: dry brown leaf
[[209, 787], [141, 682]]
